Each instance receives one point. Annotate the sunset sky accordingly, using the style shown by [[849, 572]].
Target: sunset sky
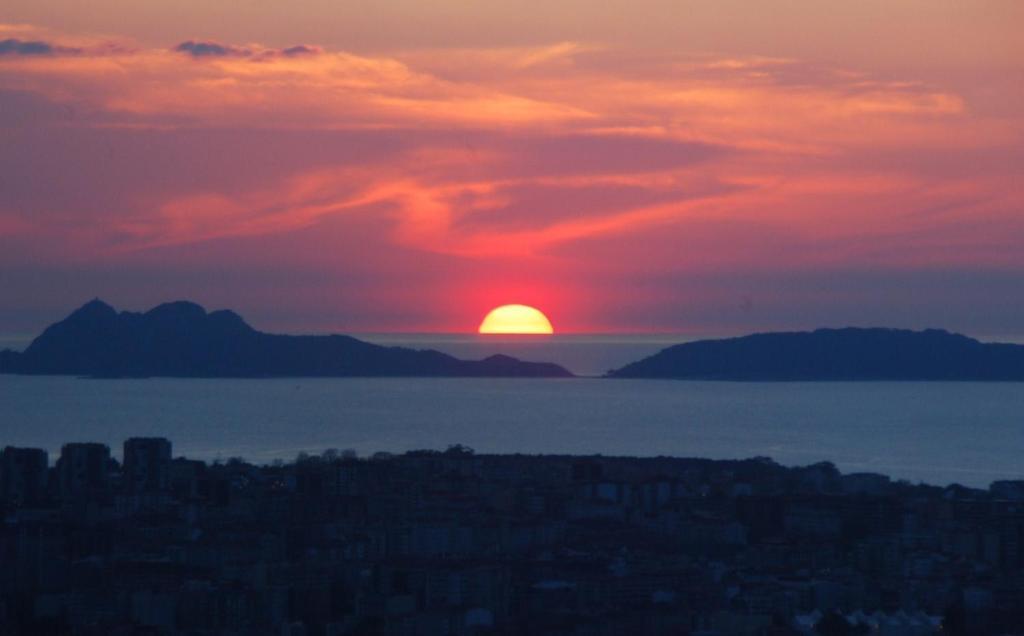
[[626, 166]]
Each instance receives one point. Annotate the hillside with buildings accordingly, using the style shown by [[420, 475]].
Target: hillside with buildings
[[458, 543]]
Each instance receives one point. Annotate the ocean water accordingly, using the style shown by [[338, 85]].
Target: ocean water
[[971, 433], [583, 354]]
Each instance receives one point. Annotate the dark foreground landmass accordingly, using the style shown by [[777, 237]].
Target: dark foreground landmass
[[440, 543], [181, 339], [835, 354]]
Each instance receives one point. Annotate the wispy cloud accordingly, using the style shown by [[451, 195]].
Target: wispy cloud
[[200, 49], [14, 46], [570, 157], [210, 49]]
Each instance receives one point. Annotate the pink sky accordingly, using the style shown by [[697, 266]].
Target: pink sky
[[711, 167]]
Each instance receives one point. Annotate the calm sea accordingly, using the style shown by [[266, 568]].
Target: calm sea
[[970, 433], [583, 354]]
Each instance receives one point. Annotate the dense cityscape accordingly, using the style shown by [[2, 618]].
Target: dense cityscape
[[453, 542]]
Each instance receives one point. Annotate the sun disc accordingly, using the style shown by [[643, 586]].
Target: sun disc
[[521, 319]]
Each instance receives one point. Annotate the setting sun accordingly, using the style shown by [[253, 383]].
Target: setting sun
[[516, 319]]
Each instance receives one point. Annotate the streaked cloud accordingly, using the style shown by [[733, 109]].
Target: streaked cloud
[[569, 163], [14, 46], [215, 49], [210, 49]]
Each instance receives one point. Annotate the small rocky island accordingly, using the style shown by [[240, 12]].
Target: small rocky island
[[180, 339]]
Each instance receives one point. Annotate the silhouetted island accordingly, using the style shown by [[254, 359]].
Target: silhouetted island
[[180, 339], [835, 354]]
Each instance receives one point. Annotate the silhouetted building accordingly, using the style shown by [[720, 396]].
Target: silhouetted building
[[586, 470], [83, 471], [1008, 489], [147, 465], [23, 475], [185, 477]]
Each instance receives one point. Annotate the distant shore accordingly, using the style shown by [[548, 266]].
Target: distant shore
[[181, 339]]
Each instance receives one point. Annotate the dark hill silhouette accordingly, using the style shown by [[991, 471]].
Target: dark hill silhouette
[[834, 354], [181, 339]]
